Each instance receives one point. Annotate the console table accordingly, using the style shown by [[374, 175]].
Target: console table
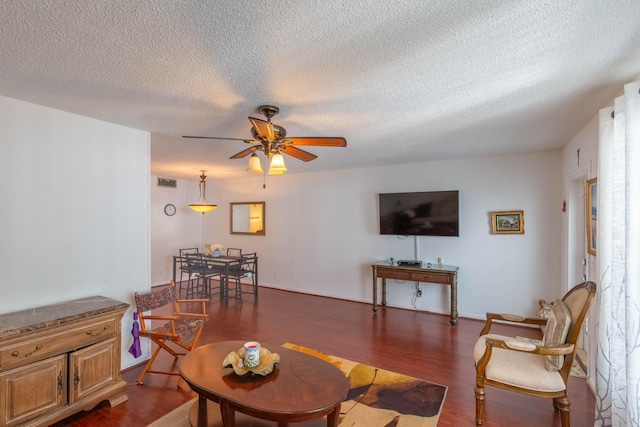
[[59, 359], [447, 275]]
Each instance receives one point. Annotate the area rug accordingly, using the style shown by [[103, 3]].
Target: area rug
[[380, 398], [377, 397]]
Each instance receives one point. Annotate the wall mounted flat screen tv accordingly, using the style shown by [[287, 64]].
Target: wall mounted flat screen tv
[[426, 213]]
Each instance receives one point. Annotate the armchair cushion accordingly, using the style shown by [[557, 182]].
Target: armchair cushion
[[517, 368], [556, 332]]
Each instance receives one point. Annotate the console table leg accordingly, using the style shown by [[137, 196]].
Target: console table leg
[[375, 290], [454, 301], [384, 291]]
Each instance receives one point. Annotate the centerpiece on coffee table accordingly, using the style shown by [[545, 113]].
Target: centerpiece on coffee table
[[236, 359]]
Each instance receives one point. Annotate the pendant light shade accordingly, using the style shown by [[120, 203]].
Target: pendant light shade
[[277, 165], [201, 205], [254, 164]]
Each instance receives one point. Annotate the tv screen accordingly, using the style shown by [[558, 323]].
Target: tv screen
[[426, 213]]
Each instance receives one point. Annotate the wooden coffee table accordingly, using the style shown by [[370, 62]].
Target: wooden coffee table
[[300, 388]]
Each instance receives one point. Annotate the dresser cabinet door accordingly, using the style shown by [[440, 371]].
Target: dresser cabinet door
[[92, 369], [33, 390]]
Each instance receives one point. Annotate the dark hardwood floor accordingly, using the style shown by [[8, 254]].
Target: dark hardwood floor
[[419, 344]]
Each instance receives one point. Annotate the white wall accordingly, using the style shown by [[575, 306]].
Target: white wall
[[74, 220], [170, 233], [322, 231]]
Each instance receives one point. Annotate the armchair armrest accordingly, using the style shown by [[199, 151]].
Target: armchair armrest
[[160, 317], [527, 347], [203, 306], [513, 344], [512, 318], [151, 332], [194, 315]]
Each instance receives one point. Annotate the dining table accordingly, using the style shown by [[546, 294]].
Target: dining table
[[224, 262]]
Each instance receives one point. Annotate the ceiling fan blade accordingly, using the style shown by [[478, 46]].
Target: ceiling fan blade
[[245, 152], [215, 137], [264, 129], [318, 141], [297, 153]]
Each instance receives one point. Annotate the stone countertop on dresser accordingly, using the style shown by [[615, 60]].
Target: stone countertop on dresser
[[36, 318]]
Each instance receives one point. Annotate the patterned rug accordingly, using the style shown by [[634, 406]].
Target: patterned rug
[[377, 398], [380, 398]]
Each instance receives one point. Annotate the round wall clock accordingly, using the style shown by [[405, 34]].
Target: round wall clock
[[170, 210]]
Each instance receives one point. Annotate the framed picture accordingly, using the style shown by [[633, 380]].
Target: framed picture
[[591, 214], [507, 222]]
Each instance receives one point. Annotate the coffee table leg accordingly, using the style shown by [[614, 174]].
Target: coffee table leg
[[202, 411], [228, 414], [333, 419]]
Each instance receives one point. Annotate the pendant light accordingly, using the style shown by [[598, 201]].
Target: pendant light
[[254, 164], [201, 205], [277, 164]]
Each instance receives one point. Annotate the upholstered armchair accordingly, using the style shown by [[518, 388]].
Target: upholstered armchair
[[525, 367]]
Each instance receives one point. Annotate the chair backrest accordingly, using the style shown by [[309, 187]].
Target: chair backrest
[[234, 252], [195, 261], [248, 263], [185, 251], [578, 300], [183, 254], [155, 299]]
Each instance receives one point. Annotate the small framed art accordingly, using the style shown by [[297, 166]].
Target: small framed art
[[507, 222], [591, 214]]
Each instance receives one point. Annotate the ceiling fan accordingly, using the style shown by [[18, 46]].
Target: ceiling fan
[[272, 140]]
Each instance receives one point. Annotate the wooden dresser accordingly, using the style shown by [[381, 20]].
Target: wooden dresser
[[60, 359]]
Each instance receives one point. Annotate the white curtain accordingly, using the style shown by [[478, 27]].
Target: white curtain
[[618, 262]]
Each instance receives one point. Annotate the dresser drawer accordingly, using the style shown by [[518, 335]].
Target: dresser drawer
[[60, 341], [430, 277], [394, 274]]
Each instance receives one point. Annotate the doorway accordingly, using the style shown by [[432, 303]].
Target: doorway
[[578, 260]]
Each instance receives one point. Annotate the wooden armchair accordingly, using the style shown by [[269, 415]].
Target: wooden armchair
[[524, 367], [178, 327]]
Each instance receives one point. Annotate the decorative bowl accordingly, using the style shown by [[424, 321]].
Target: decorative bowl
[[235, 359]]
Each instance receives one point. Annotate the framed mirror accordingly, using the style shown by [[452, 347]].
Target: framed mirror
[[247, 218]]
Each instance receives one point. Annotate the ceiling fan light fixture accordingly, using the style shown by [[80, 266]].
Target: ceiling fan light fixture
[[202, 205], [271, 138], [277, 166], [254, 164]]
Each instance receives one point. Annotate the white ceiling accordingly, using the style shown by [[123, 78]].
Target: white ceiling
[[402, 81]]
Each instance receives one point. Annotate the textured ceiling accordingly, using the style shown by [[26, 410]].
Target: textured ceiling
[[402, 81]]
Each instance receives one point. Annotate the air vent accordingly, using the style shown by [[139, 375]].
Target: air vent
[[167, 182]]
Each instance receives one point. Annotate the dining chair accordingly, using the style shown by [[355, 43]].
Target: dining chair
[[201, 273], [234, 252], [533, 369], [248, 268], [179, 329], [182, 262]]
